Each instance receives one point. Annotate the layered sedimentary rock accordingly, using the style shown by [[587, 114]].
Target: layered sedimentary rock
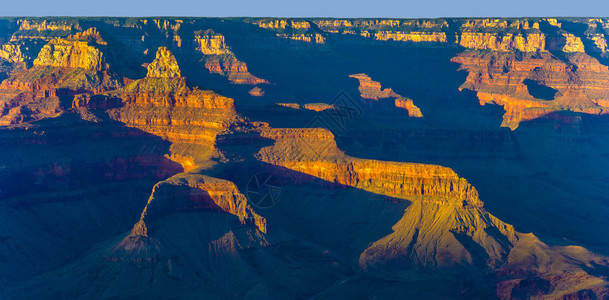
[[164, 66], [444, 227], [344, 225], [81, 50], [432, 37], [566, 42], [532, 42], [221, 60], [162, 104], [45, 30], [534, 86], [211, 43], [256, 92], [297, 30], [370, 89], [14, 52], [314, 38], [63, 68], [314, 152]]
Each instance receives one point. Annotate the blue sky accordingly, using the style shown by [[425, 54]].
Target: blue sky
[[306, 8]]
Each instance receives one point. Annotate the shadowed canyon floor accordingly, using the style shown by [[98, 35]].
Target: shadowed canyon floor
[[438, 158]]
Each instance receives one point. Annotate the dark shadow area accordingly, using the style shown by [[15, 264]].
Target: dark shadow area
[[539, 90], [343, 218], [65, 152], [547, 177], [67, 184]]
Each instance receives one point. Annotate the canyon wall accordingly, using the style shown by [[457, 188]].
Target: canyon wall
[[138, 100]]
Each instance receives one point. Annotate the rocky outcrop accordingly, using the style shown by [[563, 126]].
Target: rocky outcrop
[[14, 52], [256, 92], [81, 50], [308, 106], [283, 24], [219, 59], [370, 89], [296, 30], [445, 226], [536, 86], [43, 25], [164, 66], [441, 235], [63, 68], [235, 70], [211, 43], [532, 42], [314, 152], [310, 38], [44, 30], [566, 42], [414, 36], [162, 104]]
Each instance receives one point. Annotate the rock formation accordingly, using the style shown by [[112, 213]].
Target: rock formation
[[195, 192], [63, 68], [164, 66], [300, 31], [533, 42], [136, 185], [219, 59], [162, 104], [530, 87], [370, 89], [444, 227], [81, 50]]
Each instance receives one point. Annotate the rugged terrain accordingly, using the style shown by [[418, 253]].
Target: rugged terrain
[[440, 158]]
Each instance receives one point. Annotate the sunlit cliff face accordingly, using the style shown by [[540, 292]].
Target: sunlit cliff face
[[444, 158]]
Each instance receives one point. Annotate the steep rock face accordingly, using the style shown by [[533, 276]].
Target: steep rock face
[[81, 50], [283, 24], [370, 89], [314, 152], [533, 42], [296, 30], [211, 43], [14, 52], [63, 68], [566, 42], [219, 59], [162, 104], [491, 34], [164, 66], [235, 70], [432, 37], [536, 85], [43, 25], [44, 30]]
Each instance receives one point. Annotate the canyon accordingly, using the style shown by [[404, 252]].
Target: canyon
[[427, 158]]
